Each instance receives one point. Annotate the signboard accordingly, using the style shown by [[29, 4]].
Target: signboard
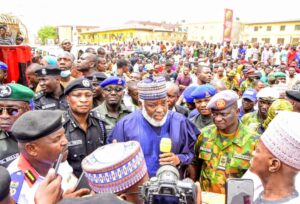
[[228, 18]]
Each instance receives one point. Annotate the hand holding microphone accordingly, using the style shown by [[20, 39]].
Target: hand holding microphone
[[166, 156]]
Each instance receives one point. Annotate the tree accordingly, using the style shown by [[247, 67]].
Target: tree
[[47, 32]]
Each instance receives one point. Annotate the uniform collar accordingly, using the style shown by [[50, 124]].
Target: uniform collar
[[30, 174], [74, 123], [236, 139], [3, 135], [104, 111]]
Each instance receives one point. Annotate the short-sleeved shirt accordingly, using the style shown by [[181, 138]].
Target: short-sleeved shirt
[[222, 156]]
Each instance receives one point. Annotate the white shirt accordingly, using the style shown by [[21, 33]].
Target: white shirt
[[27, 192], [258, 187]]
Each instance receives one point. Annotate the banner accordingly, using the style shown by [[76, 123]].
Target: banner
[[228, 17]]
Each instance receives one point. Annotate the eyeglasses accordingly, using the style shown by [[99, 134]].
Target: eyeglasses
[[12, 111], [110, 89]]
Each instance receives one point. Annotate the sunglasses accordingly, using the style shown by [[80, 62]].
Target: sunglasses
[[110, 89], [12, 111]]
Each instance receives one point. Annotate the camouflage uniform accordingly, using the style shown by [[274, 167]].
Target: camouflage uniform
[[246, 84], [223, 157], [251, 120], [231, 85]]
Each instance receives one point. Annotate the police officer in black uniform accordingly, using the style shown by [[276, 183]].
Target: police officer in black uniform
[[14, 101], [52, 95], [85, 129], [96, 79]]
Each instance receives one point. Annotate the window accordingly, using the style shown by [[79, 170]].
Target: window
[[266, 40], [297, 27], [295, 40], [282, 28], [280, 41], [253, 40], [269, 28], [255, 28]]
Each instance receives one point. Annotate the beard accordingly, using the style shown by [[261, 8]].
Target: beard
[[152, 121]]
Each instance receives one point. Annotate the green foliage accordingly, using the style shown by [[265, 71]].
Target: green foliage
[[47, 32]]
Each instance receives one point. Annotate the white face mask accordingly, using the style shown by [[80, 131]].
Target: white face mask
[[151, 120], [65, 74]]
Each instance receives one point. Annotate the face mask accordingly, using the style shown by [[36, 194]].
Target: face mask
[[152, 121], [65, 74]]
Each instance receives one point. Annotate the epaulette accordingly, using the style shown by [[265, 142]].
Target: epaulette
[[17, 180], [38, 95], [65, 118], [97, 114]]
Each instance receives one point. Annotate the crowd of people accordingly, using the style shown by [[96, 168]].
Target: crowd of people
[[230, 112]]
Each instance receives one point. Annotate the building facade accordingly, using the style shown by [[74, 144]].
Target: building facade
[[130, 33], [72, 32], [211, 31], [275, 32]]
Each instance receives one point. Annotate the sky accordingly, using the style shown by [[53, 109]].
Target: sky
[[111, 13]]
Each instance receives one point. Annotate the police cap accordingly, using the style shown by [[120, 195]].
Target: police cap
[[36, 124]]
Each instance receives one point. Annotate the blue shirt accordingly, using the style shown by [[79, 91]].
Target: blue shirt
[[182, 132]]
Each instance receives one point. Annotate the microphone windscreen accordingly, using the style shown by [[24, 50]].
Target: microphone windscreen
[[165, 145]]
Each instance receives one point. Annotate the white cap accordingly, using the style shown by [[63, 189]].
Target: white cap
[[268, 93], [282, 138]]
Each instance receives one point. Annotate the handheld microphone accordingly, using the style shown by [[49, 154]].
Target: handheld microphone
[[165, 145]]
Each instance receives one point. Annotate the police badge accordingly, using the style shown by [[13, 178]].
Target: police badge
[[44, 72], [86, 83], [5, 91]]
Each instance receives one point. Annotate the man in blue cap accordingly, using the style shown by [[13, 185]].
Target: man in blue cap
[[154, 122], [3, 72], [202, 95], [112, 109], [248, 102], [14, 102]]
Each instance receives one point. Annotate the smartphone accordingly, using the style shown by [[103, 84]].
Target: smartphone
[[239, 191], [58, 163]]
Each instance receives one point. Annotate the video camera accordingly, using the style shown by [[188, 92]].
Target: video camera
[[166, 188]]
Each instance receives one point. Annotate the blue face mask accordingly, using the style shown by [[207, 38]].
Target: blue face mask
[[65, 74]]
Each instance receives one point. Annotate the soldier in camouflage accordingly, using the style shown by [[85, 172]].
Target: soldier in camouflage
[[265, 98], [231, 82], [223, 150]]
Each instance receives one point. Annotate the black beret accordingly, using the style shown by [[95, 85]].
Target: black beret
[[97, 77], [294, 95], [95, 199], [80, 83], [36, 124], [48, 70], [4, 183]]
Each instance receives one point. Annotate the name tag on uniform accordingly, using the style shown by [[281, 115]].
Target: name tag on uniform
[[222, 163], [8, 159], [74, 143], [241, 156], [50, 105], [205, 149]]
